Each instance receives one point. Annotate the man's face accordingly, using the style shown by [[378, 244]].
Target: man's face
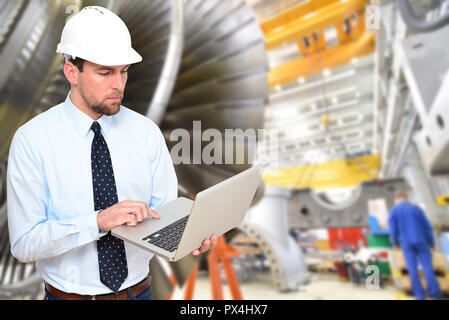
[[102, 88]]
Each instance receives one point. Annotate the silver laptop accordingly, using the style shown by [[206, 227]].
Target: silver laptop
[[184, 224]]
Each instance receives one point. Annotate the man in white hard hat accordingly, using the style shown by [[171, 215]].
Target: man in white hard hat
[[87, 166]]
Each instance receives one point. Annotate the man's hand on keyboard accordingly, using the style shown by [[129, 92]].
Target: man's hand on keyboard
[[127, 212], [207, 245]]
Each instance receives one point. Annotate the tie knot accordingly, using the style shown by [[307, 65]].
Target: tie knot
[[96, 127]]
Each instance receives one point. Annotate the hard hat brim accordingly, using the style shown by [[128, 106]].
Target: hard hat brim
[[127, 57]]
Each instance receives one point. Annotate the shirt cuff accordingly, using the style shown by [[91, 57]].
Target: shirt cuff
[[89, 227], [101, 233]]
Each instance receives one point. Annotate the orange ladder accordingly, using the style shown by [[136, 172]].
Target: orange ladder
[[223, 253]]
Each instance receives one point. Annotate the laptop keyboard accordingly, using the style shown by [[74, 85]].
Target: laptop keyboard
[[168, 238]]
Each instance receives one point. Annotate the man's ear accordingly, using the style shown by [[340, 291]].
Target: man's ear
[[71, 72]]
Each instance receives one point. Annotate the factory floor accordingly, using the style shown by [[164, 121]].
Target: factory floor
[[321, 287]]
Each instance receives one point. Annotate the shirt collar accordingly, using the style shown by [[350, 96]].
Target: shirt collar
[[83, 122]]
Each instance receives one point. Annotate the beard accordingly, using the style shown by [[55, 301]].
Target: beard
[[104, 107]]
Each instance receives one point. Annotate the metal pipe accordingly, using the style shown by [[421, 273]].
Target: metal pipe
[[424, 190], [166, 83], [387, 136], [404, 142], [417, 25]]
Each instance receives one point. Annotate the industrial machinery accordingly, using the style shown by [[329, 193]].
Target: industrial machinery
[[310, 209], [410, 87], [268, 223]]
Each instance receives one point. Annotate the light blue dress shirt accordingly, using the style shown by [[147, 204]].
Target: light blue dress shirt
[[51, 213]]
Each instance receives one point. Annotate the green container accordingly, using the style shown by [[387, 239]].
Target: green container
[[384, 268], [380, 241]]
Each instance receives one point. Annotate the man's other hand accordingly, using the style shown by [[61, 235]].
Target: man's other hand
[[207, 245]]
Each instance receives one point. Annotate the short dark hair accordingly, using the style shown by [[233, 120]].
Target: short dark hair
[[400, 194], [78, 62]]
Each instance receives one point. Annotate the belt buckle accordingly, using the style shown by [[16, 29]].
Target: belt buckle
[[94, 297]]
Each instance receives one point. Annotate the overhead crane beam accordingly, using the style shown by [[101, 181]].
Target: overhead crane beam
[[329, 58], [334, 174], [305, 25], [292, 14]]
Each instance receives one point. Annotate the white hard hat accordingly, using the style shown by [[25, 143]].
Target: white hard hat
[[98, 35]]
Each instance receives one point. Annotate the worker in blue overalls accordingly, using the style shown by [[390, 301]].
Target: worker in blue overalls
[[411, 230]]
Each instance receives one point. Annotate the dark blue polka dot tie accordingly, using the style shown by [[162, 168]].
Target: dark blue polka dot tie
[[111, 251]]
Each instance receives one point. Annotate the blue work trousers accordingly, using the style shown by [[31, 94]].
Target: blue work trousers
[[413, 253]]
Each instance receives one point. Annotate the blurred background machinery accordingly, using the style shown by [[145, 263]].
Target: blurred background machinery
[[357, 93], [268, 223], [310, 209]]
